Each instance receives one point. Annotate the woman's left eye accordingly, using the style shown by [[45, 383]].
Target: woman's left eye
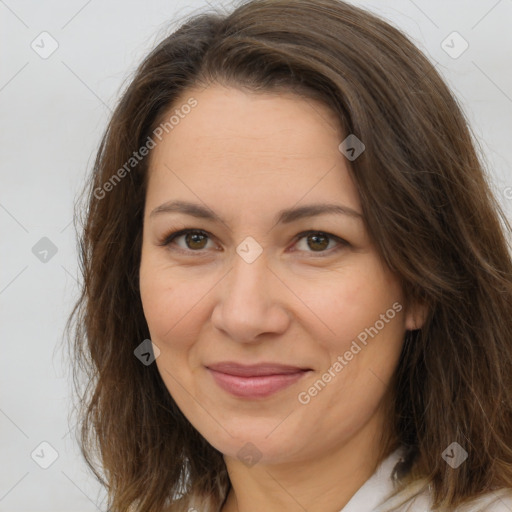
[[195, 240], [320, 241]]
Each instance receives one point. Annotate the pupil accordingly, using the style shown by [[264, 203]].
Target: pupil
[[193, 238], [319, 245]]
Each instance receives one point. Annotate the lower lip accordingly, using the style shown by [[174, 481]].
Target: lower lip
[[255, 387]]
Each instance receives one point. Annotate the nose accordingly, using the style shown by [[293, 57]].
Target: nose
[[250, 302]]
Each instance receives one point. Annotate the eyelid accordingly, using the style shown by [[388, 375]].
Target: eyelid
[[170, 237], [340, 241]]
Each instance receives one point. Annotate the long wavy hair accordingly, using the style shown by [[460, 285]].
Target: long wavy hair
[[429, 209]]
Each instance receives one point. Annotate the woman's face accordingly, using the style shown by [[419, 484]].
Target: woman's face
[[255, 288]]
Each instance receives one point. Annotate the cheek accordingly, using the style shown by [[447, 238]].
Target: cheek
[[351, 301], [364, 310], [371, 330], [175, 306], [171, 302], [155, 297], [171, 308]]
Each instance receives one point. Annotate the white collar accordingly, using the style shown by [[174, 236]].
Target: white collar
[[377, 488]]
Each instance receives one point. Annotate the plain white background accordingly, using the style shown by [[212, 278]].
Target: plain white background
[[53, 112]]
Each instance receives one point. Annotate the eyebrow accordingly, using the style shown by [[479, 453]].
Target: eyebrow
[[283, 217]]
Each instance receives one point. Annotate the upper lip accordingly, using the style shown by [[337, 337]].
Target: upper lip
[[244, 370]]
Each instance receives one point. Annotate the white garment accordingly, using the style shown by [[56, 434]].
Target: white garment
[[371, 497]]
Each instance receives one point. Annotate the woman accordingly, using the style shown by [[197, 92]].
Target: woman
[[297, 287]]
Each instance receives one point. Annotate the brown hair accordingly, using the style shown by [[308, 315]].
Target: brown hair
[[428, 207]]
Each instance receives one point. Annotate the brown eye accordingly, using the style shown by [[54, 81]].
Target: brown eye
[[319, 242], [195, 240]]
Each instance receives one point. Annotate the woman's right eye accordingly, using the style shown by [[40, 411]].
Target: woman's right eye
[[194, 240]]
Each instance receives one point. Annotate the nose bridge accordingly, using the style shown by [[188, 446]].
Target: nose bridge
[[249, 280], [247, 303]]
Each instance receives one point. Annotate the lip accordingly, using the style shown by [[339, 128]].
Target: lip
[[255, 381]]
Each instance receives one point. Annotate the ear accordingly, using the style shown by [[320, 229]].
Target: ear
[[416, 316]]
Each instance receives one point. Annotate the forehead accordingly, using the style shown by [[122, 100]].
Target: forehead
[[241, 149]]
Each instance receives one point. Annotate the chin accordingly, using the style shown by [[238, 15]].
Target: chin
[[250, 443]]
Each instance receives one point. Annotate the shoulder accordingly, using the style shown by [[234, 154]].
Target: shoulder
[[417, 496], [496, 501]]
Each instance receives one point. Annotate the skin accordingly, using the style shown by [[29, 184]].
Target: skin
[[247, 156]]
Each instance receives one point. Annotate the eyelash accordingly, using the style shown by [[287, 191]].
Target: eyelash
[[170, 237]]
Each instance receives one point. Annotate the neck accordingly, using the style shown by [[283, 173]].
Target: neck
[[326, 481]]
